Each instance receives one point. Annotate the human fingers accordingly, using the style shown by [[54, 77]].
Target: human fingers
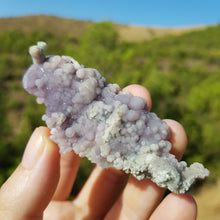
[[131, 202], [69, 165], [104, 186], [181, 207], [100, 191], [30, 188], [178, 138]]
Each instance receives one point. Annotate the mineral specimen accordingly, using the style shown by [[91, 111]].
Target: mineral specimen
[[98, 121]]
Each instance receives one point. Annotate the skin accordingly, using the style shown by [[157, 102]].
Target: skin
[[40, 186]]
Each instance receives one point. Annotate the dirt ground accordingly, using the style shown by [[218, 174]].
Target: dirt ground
[[208, 201]]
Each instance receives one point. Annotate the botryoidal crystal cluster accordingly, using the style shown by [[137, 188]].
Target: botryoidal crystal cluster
[[98, 121]]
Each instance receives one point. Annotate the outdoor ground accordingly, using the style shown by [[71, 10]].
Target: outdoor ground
[[208, 201]]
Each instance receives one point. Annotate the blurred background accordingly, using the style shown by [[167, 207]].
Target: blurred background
[[172, 48]]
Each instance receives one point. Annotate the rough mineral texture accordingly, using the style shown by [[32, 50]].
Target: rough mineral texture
[[109, 127]]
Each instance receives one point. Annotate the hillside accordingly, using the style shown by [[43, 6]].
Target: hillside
[[55, 25], [77, 28]]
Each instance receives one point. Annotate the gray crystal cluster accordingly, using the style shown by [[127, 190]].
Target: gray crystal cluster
[[98, 121]]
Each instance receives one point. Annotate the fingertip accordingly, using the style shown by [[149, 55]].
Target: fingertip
[[138, 90], [38, 144], [190, 199], [178, 138], [51, 149], [181, 206], [186, 202], [44, 131]]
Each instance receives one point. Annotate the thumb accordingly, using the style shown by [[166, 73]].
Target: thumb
[[30, 188]]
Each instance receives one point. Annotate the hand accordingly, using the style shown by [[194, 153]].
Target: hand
[[41, 185]]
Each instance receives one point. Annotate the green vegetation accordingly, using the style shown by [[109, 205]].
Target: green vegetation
[[181, 72]]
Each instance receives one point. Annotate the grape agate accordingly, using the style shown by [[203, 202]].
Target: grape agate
[[98, 121]]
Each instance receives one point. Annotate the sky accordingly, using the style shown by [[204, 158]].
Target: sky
[[162, 13]]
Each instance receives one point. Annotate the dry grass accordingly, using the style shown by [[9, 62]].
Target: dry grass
[[208, 201], [136, 33], [76, 28]]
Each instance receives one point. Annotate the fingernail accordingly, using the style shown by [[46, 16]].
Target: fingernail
[[34, 149]]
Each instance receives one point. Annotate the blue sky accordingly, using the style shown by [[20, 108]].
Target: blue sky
[[165, 13]]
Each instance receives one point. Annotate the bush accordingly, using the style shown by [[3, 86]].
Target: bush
[[181, 72]]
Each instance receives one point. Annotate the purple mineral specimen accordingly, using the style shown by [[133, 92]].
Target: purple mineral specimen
[[98, 121]]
